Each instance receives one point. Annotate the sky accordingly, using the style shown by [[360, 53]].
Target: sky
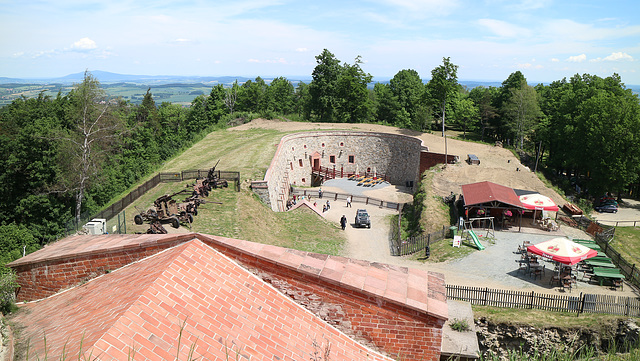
[[546, 40]]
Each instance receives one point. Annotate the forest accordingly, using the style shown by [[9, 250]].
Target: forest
[[63, 158]]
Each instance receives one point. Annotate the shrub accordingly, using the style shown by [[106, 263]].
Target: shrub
[[8, 287]]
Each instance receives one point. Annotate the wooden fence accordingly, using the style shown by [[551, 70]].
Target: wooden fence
[[124, 202], [412, 245], [603, 235], [331, 173], [582, 303]]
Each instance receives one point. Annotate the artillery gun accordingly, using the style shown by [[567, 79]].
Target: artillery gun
[[167, 210], [203, 186]]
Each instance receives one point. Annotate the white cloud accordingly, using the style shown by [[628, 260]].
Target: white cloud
[[302, 50], [577, 58], [421, 8], [618, 56], [84, 44], [555, 60], [504, 29]]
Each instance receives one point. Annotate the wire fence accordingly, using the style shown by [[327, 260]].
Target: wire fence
[[118, 206]]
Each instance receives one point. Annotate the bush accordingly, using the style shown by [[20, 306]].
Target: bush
[[8, 287]]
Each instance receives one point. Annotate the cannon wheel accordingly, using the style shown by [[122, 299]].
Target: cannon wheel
[[175, 223], [190, 218], [137, 219]]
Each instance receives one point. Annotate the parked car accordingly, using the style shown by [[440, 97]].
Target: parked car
[[362, 218], [608, 208]]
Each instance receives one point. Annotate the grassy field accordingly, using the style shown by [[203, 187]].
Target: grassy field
[[242, 215], [182, 94], [627, 242]]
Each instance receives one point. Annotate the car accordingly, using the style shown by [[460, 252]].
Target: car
[[608, 208], [362, 218]]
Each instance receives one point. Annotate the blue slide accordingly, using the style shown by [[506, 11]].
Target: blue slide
[[476, 240]]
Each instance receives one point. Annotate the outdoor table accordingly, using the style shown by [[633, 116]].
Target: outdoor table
[[608, 273], [599, 263], [600, 258], [592, 246]]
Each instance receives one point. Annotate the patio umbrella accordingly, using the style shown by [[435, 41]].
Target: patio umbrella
[[537, 201], [562, 250]]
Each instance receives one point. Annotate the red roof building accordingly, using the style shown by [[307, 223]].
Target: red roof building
[[214, 296]]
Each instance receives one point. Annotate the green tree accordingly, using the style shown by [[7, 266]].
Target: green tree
[[88, 139], [302, 99], [443, 83], [409, 92], [610, 124], [465, 112], [279, 96], [352, 96], [522, 112], [387, 107], [323, 100], [483, 99]]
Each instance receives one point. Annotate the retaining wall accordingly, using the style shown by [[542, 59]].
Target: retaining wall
[[397, 156]]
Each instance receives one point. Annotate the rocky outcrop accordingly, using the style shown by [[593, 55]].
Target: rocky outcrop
[[502, 339]]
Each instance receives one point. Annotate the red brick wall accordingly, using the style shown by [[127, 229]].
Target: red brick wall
[[397, 331], [44, 279], [429, 159]]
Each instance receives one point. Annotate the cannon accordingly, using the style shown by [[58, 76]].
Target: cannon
[[167, 210], [203, 186]]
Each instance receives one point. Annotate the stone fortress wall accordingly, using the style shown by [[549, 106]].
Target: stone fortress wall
[[396, 156]]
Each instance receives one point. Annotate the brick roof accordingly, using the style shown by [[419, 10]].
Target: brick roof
[[485, 192], [143, 304], [81, 245], [220, 306]]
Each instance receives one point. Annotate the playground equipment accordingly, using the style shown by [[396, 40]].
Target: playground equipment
[[468, 231], [475, 239]]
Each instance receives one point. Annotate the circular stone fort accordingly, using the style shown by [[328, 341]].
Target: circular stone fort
[[307, 159]]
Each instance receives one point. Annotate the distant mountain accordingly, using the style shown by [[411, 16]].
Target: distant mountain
[[106, 77]]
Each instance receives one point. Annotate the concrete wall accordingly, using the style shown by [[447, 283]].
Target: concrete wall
[[396, 156]]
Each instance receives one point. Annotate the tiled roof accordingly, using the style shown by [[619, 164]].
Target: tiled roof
[[81, 245], [484, 192], [217, 305]]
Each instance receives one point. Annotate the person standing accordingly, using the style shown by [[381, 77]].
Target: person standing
[[343, 222], [320, 193], [349, 201], [328, 205]]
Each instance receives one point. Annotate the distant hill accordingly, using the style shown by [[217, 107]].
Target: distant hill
[[165, 88], [106, 77]]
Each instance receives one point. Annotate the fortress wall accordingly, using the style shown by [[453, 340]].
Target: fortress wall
[[396, 156]]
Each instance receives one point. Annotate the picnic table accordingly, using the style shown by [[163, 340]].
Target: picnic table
[[599, 263], [607, 273], [589, 244]]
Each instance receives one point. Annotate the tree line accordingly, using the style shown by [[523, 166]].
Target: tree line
[[69, 155]]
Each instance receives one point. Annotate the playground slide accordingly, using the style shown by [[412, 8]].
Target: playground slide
[[476, 240]]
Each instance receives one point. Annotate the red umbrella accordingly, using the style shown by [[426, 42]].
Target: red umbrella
[[562, 250], [536, 201]]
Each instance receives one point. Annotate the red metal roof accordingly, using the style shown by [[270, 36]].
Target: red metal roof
[[484, 192], [193, 290]]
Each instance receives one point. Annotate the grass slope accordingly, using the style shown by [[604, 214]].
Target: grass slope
[[242, 215]]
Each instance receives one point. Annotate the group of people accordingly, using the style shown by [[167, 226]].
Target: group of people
[[325, 207]]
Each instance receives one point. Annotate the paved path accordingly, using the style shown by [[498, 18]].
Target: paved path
[[494, 267]]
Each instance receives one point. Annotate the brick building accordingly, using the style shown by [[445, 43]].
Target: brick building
[[110, 295]]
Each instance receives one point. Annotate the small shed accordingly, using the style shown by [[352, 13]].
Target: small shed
[[473, 159]]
